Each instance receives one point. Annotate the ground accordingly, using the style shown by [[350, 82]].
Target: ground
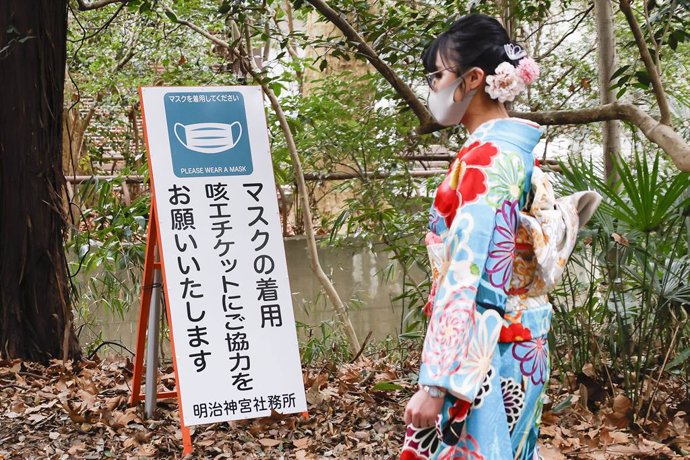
[[81, 411]]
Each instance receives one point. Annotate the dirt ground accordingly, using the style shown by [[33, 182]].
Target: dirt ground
[[81, 411]]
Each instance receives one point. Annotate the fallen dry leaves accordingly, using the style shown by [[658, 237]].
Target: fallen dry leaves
[[583, 421], [81, 411]]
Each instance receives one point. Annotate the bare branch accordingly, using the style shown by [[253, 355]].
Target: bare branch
[[373, 175], [657, 52], [648, 62], [665, 31], [573, 117], [403, 90], [659, 133], [131, 45], [558, 43], [553, 23], [205, 33], [96, 4], [430, 127], [571, 69], [291, 49]]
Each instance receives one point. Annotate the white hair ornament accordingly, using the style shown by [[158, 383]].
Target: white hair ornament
[[514, 52]]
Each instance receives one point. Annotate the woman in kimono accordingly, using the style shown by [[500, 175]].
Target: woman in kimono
[[485, 362]]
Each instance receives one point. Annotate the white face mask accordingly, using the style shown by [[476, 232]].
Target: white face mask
[[443, 106], [209, 137]]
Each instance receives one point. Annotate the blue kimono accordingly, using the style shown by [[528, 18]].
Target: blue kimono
[[485, 344]]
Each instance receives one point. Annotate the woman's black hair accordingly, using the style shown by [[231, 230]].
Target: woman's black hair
[[475, 40]]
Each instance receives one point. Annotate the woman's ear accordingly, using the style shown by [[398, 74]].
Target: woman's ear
[[475, 78]]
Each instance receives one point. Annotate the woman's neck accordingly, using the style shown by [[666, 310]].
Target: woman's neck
[[481, 111]]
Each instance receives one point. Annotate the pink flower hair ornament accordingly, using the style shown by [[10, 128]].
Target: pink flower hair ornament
[[528, 70], [509, 80]]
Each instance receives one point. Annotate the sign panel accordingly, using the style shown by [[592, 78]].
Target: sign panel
[[221, 245]]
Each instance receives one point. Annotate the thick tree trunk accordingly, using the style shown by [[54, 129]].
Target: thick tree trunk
[[35, 313]]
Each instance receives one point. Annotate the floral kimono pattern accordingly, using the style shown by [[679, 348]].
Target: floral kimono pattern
[[486, 342]]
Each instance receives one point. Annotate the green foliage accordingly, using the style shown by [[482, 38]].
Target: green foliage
[[335, 134], [325, 342], [113, 51], [107, 255], [624, 302], [665, 27]]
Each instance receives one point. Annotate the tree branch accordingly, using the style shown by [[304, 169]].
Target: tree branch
[[659, 133], [96, 4], [403, 90], [205, 33], [655, 42], [291, 49], [569, 71], [562, 39], [648, 62], [131, 45]]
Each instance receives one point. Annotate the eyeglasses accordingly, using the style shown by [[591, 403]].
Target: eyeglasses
[[432, 77]]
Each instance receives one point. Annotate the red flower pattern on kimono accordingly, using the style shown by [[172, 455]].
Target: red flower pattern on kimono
[[467, 448], [429, 305], [465, 180], [458, 411], [410, 455], [516, 332]]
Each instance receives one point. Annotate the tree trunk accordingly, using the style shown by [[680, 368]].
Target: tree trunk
[[35, 313], [607, 64]]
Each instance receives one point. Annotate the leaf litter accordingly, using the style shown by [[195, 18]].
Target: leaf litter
[[81, 411]]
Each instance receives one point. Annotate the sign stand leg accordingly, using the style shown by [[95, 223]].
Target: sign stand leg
[[186, 439], [149, 322], [147, 289], [152, 345]]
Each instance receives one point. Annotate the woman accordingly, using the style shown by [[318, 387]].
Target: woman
[[485, 359]]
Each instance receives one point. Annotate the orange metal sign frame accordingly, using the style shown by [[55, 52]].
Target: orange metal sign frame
[[150, 264]]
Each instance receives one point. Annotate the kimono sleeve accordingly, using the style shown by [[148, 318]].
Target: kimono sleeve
[[463, 330]]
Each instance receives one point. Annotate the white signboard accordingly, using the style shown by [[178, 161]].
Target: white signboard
[[224, 268]]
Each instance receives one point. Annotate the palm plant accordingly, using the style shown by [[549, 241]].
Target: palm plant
[[624, 301]]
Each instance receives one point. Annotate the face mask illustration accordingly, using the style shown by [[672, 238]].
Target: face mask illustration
[[444, 108], [209, 138]]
